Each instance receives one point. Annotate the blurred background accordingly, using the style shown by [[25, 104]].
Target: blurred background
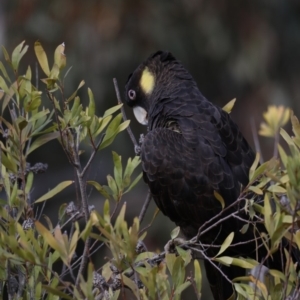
[[249, 50]]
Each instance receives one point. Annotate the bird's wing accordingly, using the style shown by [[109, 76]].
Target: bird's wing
[[205, 153], [240, 155], [182, 178]]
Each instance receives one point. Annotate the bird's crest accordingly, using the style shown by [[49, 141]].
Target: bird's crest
[[164, 56]]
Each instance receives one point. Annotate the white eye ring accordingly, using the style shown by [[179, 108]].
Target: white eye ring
[[131, 94]]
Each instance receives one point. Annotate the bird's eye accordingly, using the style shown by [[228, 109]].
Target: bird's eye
[[131, 94]]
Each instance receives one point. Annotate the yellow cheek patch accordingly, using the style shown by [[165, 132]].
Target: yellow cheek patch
[[147, 81]]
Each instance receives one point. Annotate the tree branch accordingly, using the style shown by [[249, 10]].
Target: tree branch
[[133, 139]]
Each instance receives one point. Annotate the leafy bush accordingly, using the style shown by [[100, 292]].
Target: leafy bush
[[30, 249]]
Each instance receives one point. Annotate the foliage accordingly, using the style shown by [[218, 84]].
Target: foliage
[[30, 248]]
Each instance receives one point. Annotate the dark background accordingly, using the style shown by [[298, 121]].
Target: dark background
[[247, 50]]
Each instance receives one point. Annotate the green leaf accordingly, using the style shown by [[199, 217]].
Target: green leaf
[[3, 70], [170, 260], [134, 183], [219, 198], [91, 107], [245, 228], [198, 277], [260, 170], [113, 186], [131, 166], [3, 85], [290, 142], [243, 263], [39, 115], [13, 194], [54, 243], [131, 285], [111, 110], [33, 101], [6, 55], [225, 260], [42, 57], [277, 274], [61, 186], [102, 123], [178, 272], [239, 289], [106, 211], [229, 106], [22, 123], [28, 74], [59, 56], [113, 129], [12, 90], [254, 166], [29, 182], [277, 189], [9, 163], [182, 287], [17, 54], [73, 242], [38, 142], [85, 233], [268, 214], [99, 188], [55, 291], [118, 170], [54, 73], [226, 243], [81, 84], [256, 190], [62, 211], [175, 232], [185, 255]]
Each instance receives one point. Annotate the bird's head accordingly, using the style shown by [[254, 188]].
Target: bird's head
[[149, 83]]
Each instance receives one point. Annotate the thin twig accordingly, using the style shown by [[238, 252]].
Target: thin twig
[[145, 206], [200, 232], [288, 262], [276, 142], [92, 155], [42, 209], [64, 267], [115, 209], [60, 130], [231, 245], [211, 262], [75, 215], [133, 139], [85, 207], [36, 76], [55, 274], [96, 249]]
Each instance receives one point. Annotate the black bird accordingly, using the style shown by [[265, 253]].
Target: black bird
[[192, 149]]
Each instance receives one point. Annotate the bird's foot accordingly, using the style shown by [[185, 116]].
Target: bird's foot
[[141, 139], [137, 150], [170, 247]]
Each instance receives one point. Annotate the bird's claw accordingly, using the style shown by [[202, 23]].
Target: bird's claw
[[137, 150], [170, 247], [141, 140]]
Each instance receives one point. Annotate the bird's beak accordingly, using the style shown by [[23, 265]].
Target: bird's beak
[[141, 115]]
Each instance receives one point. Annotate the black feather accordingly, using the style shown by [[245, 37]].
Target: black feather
[[192, 149]]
